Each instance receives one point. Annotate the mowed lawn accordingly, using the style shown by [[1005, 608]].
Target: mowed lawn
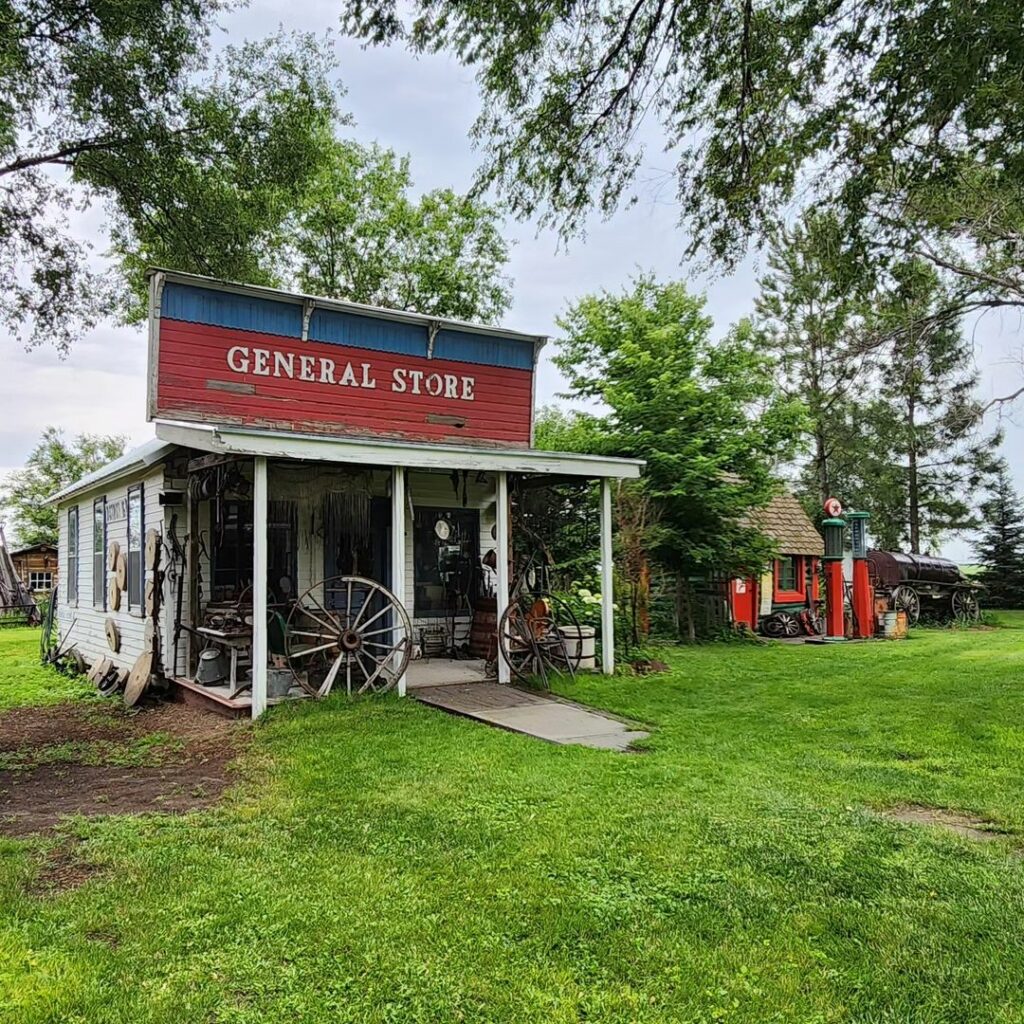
[[380, 861]]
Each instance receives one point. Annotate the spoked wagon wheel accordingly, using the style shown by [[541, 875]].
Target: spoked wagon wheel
[[781, 624], [539, 634], [965, 605], [351, 627], [905, 599]]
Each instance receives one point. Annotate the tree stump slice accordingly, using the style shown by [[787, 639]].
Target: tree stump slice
[[113, 635], [152, 548], [138, 679]]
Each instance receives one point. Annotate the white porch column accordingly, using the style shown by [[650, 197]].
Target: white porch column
[[398, 544], [607, 581], [504, 673], [259, 586]]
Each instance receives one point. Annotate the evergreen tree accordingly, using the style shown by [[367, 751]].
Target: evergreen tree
[[1000, 549], [809, 314], [928, 453]]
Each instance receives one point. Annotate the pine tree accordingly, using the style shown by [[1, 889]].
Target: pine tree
[[812, 302], [1000, 550], [928, 454]]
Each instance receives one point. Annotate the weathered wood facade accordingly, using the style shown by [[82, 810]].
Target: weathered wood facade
[[277, 468], [37, 567]]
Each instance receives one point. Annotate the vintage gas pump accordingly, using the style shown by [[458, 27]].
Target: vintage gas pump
[[835, 529], [863, 597]]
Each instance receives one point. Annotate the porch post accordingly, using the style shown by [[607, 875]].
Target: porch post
[[504, 673], [259, 586], [607, 581], [398, 544]]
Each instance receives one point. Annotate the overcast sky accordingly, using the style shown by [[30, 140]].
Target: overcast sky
[[425, 106]]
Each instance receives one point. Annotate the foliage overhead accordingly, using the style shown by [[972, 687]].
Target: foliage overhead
[[868, 107], [358, 234], [215, 199], [79, 81], [54, 463], [707, 418]]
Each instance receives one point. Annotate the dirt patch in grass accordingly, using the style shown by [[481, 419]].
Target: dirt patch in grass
[[969, 826], [101, 759], [60, 871]]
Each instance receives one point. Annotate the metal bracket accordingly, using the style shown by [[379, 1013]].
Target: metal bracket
[[307, 311], [432, 328]]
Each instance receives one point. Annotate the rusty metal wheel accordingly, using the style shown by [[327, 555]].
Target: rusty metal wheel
[[906, 599], [538, 634], [347, 626], [965, 605]]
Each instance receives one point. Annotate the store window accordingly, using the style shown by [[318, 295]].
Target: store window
[[40, 581], [99, 546], [73, 555], [135, 554], [446, 558], [232, 522]]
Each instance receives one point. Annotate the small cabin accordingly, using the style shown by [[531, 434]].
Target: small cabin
[[784, 599], [36, 566]]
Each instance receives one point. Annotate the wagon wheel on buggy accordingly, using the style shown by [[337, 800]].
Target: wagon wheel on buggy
[[965, 605], [532, 637], [905, 599], [366, 638], [781, 624]]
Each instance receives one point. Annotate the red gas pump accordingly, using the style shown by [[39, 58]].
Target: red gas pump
[[834, 529], [863, 594]]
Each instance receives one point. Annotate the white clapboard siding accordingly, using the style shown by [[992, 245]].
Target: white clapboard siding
[[82, 623]]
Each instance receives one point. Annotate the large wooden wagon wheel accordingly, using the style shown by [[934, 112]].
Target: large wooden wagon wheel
[[906, 599], [965, 605], [361, 632], [538, 634]]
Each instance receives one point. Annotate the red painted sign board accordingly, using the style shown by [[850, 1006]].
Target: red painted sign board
[[217, 374]]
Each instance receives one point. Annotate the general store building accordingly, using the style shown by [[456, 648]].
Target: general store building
[[300, 443]]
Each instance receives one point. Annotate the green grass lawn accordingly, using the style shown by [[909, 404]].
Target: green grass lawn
[[380, 861]]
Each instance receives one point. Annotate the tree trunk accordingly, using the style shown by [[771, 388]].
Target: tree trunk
[[913, 495], [821, 462]]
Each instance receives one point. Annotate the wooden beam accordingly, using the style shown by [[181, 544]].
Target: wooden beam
[[607, 582], [382, 452], [398, 546], [259, 587], [502, 524]]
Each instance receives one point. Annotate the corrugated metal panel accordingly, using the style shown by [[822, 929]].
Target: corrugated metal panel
[[312, 387], [336, 328], [467, 347], [226, 309]]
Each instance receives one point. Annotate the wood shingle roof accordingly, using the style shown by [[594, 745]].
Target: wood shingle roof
[[784, 520]]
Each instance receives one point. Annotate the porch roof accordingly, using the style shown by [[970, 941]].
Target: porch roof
[[381, 452]]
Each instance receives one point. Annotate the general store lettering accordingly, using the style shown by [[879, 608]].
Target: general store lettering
[[319, 369]]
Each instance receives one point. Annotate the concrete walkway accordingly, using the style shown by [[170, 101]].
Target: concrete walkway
[[531, 713]]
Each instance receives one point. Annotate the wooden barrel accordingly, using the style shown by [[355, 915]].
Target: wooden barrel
[[483, 633]]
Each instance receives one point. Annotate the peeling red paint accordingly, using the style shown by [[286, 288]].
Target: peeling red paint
[[374, 395]]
